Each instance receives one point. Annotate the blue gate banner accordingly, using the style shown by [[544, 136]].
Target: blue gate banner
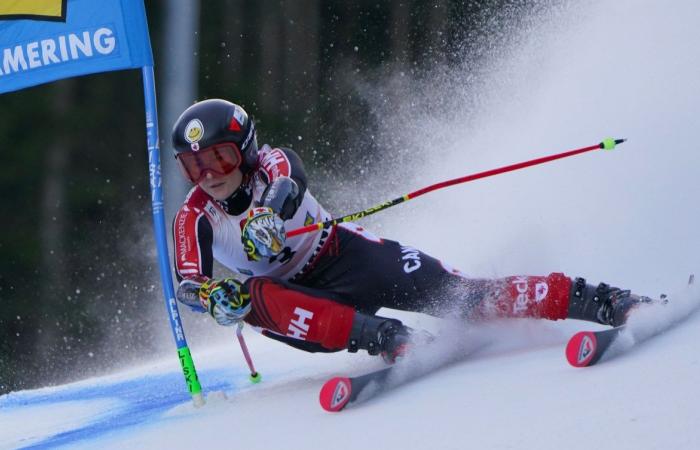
[[47, 40], [96, 36]]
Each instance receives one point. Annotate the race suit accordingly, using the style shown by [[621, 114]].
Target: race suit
[[307, 295]]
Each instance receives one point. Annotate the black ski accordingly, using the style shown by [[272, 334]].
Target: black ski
[[337, 392], [428, 355]]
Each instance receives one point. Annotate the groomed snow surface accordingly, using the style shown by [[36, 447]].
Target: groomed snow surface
[[628, 217], [513, 390]]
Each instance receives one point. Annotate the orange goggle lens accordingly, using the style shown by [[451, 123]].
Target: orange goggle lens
[[219, 159]]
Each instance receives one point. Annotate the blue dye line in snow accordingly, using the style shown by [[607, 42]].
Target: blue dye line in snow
[[140, 400]]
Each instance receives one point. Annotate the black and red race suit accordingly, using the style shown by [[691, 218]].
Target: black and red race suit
[[307, 295]]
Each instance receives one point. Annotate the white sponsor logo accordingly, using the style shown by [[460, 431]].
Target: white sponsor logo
[[182, 241], [175, 319], [412, 258], [238, 115], [298, 328], [59, 49], [342, 390], [194, 132], [248, 138], [586, 349], [541, 290], [520, 304]]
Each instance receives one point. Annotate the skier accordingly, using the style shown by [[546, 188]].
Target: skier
[[320, 291]]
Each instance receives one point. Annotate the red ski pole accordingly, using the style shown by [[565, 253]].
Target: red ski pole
[[254, 374], [607, 144]]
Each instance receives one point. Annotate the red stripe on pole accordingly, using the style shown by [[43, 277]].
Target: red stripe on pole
[[302, 230], [492, 172], [448, 183]]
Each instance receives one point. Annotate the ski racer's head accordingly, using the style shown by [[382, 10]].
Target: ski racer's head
[[215, 145]]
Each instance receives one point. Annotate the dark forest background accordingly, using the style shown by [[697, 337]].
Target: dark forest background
[[78, 272]]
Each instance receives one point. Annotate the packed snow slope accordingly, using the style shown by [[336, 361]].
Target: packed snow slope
[[515, 392], [628, 217]]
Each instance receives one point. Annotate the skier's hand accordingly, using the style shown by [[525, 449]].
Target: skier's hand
[[263, 234], [225, 300]]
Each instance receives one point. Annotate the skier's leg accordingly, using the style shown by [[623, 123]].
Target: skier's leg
[[557, 296], [315, 320], [374, 272], [553, 297], [299, 313], [371, 272]]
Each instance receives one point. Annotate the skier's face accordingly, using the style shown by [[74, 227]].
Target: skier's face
[[220, 187]]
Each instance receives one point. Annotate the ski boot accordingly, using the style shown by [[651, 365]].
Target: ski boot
[[603, 304], [379, 336]]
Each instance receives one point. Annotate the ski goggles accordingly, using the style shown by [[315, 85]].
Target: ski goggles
[[219, 159]]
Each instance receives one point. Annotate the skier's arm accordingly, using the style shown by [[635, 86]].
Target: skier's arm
[[194, 261], [263, 232], [284, 173]]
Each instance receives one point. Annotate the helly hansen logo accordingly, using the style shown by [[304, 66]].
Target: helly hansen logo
[[298, 328]]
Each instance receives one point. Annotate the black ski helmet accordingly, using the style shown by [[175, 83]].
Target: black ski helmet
[[216, 121]]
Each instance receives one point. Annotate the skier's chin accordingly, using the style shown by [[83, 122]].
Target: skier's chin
[[220, 189]]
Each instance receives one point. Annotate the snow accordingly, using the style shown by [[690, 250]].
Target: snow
[[514, 391], [628, 217], [35, 422]]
